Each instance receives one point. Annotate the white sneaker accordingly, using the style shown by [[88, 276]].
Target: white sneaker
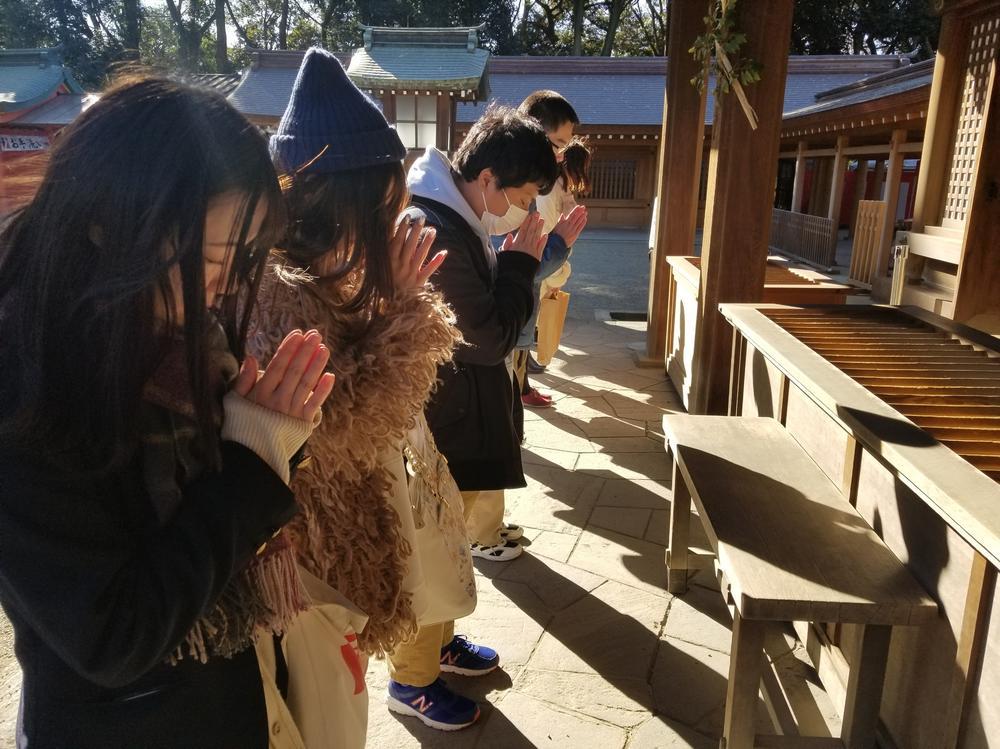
[[511, 532], [502, 552]]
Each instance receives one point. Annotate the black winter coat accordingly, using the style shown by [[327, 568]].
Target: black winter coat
[[474, 410], [99, 594]]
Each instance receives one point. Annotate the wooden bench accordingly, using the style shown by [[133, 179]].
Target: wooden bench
[[787, 547]]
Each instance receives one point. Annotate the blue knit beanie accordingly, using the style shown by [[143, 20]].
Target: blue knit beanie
[[328, 111]]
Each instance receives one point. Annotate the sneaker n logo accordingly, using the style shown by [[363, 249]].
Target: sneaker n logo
[[421, 704], [450, 659]]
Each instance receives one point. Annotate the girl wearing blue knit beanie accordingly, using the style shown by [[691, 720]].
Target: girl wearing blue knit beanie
[[376, 487]]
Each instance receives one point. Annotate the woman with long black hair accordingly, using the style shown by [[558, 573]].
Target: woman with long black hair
[[143, 470]]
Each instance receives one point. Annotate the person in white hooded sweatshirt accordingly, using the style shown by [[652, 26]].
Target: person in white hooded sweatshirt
[[504, 163]]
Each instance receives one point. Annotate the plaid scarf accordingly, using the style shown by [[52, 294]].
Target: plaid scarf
[[267, 594]]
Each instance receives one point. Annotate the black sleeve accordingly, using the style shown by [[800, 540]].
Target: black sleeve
[[490, 319], [113, 605]]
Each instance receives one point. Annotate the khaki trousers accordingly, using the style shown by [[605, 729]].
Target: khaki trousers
[[418, 663], [484, 516]]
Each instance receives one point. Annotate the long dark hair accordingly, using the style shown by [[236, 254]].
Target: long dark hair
[[576, 167], [352, 214], [122, 204]]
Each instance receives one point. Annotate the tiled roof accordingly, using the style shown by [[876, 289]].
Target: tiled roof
[[224, 83], [598, 96], [264, 92], [58, 111], [266, 86], [906, 78], [30, 76], [597, 87], [440, 68]]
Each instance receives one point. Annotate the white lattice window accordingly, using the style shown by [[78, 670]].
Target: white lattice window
[[416, 120]]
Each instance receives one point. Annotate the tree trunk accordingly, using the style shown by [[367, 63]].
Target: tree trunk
[[283, 26], [578, 27], [132, 34], [221, 40], [523, 27], [615, 11]]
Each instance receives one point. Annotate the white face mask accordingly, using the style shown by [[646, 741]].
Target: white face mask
[[498, 226]]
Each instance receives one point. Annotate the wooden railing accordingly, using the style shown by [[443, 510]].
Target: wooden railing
[[810, 238], [867, 241]]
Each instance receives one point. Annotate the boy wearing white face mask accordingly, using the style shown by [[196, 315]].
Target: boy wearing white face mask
[[502, 166], [505, 162]]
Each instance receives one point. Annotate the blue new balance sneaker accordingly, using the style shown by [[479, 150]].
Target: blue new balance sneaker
[[467, 659], [435, 705]]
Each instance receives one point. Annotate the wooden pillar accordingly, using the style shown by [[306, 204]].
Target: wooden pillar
[[389, 107], [741, 178], [819, 196], [946, 89], [800, 178], [978, 290], [679, 168], [836, 201], [878, 182], [893, 177], [860, 186], [443, 122]]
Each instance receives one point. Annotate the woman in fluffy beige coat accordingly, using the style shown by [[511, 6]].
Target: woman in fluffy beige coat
[[345, 268], [348, 532]]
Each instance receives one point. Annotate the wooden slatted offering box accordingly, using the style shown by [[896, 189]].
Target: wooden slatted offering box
[[902, 409], [783, 284]]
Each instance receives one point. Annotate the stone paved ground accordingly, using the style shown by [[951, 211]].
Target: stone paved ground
[[594, 652]]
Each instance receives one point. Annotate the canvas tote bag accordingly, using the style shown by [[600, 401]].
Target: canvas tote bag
[[442, 542], [327, 702], [551, 319]]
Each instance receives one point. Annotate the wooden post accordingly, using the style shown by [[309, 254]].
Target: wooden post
[[746, 664], [946, 89], [800, 177], [864, 686], [741, 177], [878, 183], [680, 167], [971, 645], [894, 175], [443, 136], [978, 290], [860, 186], [837, 182]]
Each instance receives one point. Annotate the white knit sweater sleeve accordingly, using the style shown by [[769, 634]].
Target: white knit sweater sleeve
[[275, 437]]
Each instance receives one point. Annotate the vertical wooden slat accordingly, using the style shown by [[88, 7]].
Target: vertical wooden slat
[[864, 687], [894, 174], [443, 122], [837, 183], [864, 251], [800, 177], [975, 620], [860, 188]]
